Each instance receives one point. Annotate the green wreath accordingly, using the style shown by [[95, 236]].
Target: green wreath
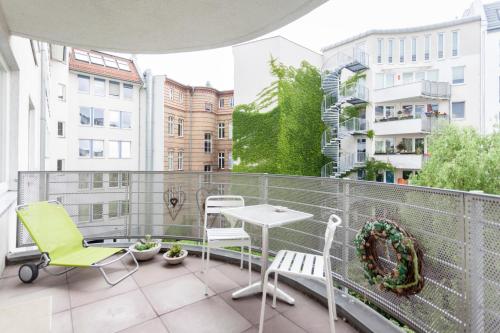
[[407, 277]]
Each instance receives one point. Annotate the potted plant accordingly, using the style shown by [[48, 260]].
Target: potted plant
[[400, 147], [175, 255], [145, 249]]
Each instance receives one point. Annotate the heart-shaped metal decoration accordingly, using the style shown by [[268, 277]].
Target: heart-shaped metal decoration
[[174, 200]]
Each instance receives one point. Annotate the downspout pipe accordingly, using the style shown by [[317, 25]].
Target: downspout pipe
[[43, 103], [149, 133], [191, 94]]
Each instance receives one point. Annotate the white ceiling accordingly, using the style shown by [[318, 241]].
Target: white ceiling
[[150, 26]]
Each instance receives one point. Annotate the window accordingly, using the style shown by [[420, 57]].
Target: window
[[181, 97], [407, 77], [384, 146], [170, 127], [110, 62], [208, 107], [119, 149], [114, 88], [389, 111], [221, 102], [99, 87], [128, 90], [441, 45], [83, 84], [97, 180], [114, 179], [390, 50], [432, 108], [407, 111], [120, 119], [458, 74], [97, 212], [60, 129], [207, 168], [97, 148], [419, 76], [419, 145], [433, 75], [221, 132], [84, 148], [180, 127], [454, 45], [125, 149], [171, 94], [458, 110], [402, 50], [98, 117], [180, 160], [83, 181], [231, 101], [379, 80], [84, 213], [379, 112], [389, 80], [408, 145], [113, 209], [96, 59], [60, 165], [221, 161], [82, 56], [208, 143], [427, 47], [170, 160], [419, 110], [380, 46], [123, 65], [125, 180], [61, 92], [125, 207], [414, 49], [230, 160], [230, 130]]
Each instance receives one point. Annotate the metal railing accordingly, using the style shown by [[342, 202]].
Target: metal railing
[[434, 89], [458, 231], [356, 91]]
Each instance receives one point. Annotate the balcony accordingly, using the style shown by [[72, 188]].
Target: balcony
[[166, 298], [406, 125], [415, 91], [401, 161]]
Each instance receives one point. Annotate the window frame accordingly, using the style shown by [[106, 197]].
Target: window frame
[[221, 103], [221, 160], [128, 87], [390, 51], [427, 47], [455, 52], [170, 160], [208, 107], [61, 93], [98, 79], [112, 82], [440, 45], [83, 77], [180, 160], [170, 125], [402, 50], [414, 49], [61, 167], [380, 46], [221, 130], [180, 127], [452, 113], [63, 129], [207, 143], [453, 80]]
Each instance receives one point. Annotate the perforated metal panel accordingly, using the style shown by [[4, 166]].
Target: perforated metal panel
[[460, 232]]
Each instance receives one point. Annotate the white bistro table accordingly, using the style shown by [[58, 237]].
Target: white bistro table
[[267, 217]]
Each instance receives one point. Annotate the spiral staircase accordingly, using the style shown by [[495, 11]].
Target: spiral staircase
[[334, 98]]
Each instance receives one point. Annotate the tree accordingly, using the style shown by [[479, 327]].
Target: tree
[[285, 140], [462, 159]]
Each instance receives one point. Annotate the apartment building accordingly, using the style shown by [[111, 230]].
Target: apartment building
[[197, 128], [96, 112]]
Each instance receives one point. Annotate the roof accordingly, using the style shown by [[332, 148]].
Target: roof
[[492, 12], [276, 37], [104, 64], [403, 30], [184, 86]]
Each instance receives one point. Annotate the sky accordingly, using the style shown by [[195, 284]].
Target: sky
[[329, 23]]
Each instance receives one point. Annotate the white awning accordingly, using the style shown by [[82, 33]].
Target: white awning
[[150, 26]]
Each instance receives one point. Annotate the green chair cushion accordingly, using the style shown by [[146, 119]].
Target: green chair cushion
[[84, 257]]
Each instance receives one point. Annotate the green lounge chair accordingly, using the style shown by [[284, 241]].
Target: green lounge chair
[[61, 243]]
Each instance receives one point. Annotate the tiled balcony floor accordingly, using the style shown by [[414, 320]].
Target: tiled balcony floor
[[160, 298]]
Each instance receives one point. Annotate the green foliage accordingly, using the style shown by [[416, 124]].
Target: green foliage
[[286, 139], [175, 251], [462, 159], [373, 167], [370, 134], [146, 244]]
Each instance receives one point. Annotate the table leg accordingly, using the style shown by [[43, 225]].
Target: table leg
[[256, 287]]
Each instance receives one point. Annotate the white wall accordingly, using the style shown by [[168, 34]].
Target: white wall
[[492, 81], [251, 64]]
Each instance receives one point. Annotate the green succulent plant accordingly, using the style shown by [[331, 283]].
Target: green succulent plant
[[145, 244], [175, 251]]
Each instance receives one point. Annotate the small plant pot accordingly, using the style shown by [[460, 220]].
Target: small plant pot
[[146, 254], [175, 260]]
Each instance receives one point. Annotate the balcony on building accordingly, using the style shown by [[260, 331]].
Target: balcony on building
[[414, 91], [401, 152]]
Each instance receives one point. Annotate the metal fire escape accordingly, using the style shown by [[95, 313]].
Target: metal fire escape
[[335, 96]]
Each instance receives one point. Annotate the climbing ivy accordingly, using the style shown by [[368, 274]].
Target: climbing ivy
[[373, 167], [285, 139]]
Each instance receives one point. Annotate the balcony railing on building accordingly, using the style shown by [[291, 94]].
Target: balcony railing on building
[[458, 230], [414, 90]]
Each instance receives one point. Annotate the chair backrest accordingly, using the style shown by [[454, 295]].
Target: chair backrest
[[215, 203], [50, 227], [333, 222]]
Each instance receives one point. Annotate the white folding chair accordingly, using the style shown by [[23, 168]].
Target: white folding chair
[[224, 237], [306, 265]]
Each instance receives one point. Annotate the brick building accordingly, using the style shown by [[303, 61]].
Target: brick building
[[197, 128]]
